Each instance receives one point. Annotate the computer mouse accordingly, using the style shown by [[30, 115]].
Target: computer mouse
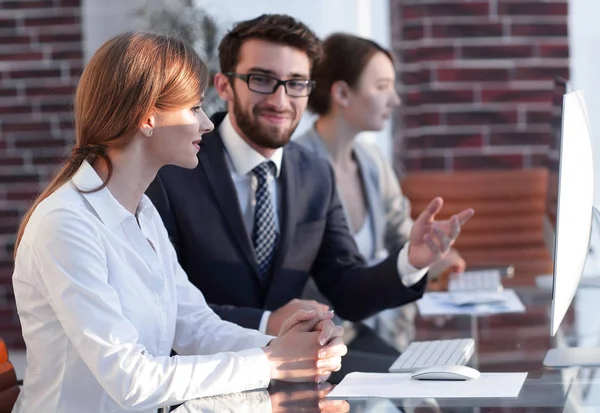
[[445, 373]]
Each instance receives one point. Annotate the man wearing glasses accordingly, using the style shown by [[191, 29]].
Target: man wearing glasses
[[260, 214]]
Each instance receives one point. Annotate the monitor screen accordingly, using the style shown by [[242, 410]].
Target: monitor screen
[[574, 204], [560, 89]]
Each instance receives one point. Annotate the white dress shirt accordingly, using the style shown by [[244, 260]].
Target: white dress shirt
[[241, 160], [102, 300]]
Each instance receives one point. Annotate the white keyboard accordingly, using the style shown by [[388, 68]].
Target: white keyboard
[[480, 280], [421, 354]]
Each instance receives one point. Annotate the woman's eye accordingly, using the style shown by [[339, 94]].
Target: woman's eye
[[196, 109]]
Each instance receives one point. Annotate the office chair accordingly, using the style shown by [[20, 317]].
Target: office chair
[[9, 385]]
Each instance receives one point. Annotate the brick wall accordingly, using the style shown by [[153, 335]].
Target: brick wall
[[476, 78], [41, 57]]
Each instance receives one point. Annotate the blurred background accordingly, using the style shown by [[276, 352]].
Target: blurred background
[[476, 78]]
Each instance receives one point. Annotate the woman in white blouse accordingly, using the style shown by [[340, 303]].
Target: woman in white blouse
[[101, 297]]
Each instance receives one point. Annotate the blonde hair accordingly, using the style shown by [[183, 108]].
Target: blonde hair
[[127, 78]]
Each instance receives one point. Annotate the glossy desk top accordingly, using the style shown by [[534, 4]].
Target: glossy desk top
[[504, 343]]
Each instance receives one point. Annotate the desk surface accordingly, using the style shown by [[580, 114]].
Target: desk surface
[[507, 342]]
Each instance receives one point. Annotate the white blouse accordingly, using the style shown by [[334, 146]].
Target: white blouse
[[102, 300]]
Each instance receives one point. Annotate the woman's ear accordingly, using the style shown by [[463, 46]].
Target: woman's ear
[[340, 93], [148, 125]]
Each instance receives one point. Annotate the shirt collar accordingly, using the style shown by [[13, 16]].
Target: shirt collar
[[109, 210], [243, 157]]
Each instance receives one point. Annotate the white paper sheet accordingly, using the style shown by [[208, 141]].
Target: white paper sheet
[[441, 303], [401, 386]]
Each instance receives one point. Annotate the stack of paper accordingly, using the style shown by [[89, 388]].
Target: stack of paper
[[470, 302], [401, 386]]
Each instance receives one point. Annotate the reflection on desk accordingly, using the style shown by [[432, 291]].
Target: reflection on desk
[[504, 342], [280, 398]]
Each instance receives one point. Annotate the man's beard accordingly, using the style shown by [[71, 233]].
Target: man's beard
[[264, 136]]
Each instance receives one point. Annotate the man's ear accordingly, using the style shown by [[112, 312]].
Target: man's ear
[[148, 125], [340, 93], [223, 87]]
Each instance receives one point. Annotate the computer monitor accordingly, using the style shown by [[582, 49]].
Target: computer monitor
[[574, 216]]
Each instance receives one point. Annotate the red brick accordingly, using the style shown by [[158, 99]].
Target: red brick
[[517, 96], [16, 5], [8, 40], [51, 91], [7, 23], [445, 31], [497, 52], [422, 76], [539, 29], [472, 75], [60, 37], [67, 54], [8, 91], [19, 178], [538, 117], [35, 74], [48, 160], [22, 194], [16, 109], [68, 3], [520, 138], [41, 142], [413, 32], [52, 21], [428, 54], [541, 73], [532, 8], [445, 140], [425, 163], [26, 127], [514, 161], [446, 96], [554, 50], [472, 8], [66, 107], [438, 96], [21, 56], [483, 117], [7, 160], [423, 119]]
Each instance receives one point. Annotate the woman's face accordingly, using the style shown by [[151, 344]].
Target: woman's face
[[177, 134], [371, 103]]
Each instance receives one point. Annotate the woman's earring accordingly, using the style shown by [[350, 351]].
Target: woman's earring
[[150, 132]]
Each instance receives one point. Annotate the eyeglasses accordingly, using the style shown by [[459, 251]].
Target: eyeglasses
[[266, 84]]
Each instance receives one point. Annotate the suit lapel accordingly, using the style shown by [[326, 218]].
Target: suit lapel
[[212, 159]]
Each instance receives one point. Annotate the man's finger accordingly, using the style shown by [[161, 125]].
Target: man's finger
[[312, 322], [465, 215], [432, 209], [296, 318]]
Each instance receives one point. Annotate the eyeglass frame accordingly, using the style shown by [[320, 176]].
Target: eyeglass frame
[[278, 82]]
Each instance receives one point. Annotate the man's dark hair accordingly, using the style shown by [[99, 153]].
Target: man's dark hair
[[345, 57], [276, 28]]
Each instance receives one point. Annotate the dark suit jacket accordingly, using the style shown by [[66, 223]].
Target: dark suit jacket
[[202, 214]]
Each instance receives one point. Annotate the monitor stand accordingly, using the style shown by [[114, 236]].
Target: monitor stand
[[574, 356], [579, 356]]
